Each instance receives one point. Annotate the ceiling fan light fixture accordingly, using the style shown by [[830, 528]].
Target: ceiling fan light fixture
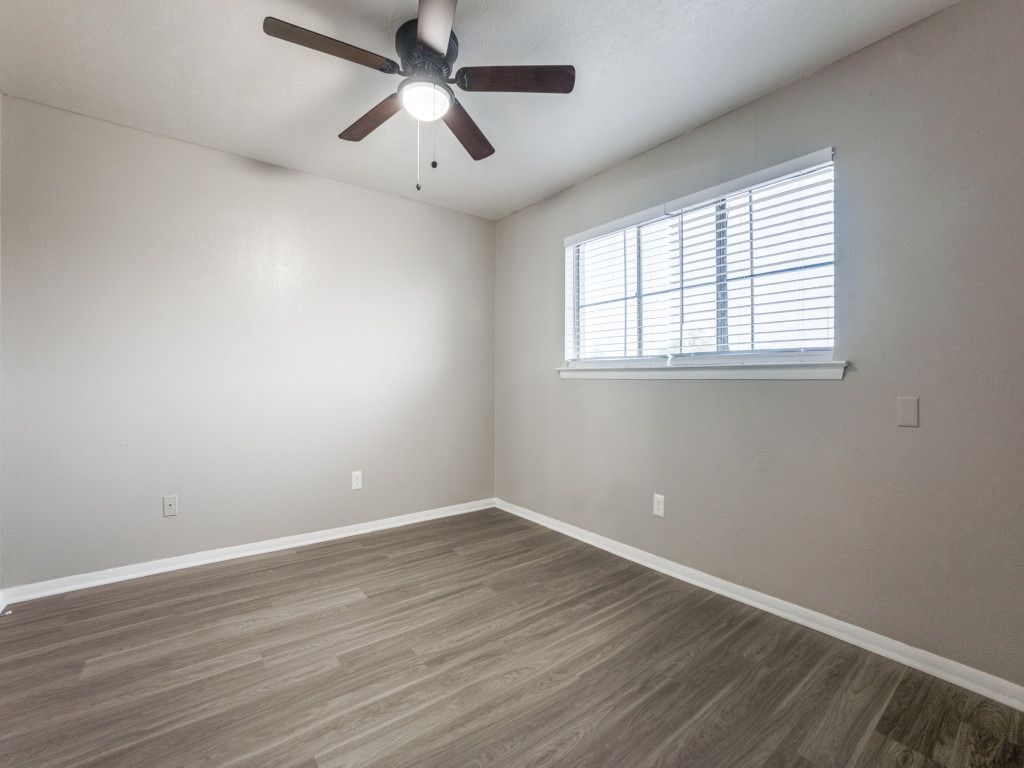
[[428, 47], [425, 100]]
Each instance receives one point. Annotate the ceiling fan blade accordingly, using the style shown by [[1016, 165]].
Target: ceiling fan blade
[[372, 120], [293, 34], [543, 79], [467, 132], [434, 24]]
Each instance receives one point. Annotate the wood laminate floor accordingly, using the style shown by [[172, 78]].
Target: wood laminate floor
[[478, 640]]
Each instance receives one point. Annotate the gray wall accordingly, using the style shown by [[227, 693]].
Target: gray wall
[[178, 320], [807, 490]]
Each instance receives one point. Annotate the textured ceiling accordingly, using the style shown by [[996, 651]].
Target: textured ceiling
[[203, 71]]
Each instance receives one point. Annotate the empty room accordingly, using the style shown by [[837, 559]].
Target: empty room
[[423, 384]]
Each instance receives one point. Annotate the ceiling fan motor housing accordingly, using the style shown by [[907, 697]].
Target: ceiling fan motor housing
[[420, 60]]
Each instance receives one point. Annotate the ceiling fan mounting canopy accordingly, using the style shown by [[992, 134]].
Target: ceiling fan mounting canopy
[[428, 48]]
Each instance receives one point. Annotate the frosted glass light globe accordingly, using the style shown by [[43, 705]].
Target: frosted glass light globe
[[424, 100]]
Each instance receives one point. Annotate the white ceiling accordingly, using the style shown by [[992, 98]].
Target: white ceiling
[[647, 70]]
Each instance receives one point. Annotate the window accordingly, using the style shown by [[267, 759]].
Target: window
[[735, 277]]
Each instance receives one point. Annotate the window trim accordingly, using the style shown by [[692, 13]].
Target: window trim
[[801, 364], [657, 368]]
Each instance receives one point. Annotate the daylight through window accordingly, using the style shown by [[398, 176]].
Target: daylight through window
[[746, 273]]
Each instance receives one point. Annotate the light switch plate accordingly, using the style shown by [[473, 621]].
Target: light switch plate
[[908, 411]]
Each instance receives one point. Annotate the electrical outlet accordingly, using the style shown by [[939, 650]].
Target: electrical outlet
[[357, 480], [171, 506], [659, 505]]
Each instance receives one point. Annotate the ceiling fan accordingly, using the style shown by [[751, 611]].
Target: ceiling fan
[[427, 48]]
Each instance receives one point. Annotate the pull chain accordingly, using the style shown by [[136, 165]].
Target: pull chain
[[433, 137], [418, 187]]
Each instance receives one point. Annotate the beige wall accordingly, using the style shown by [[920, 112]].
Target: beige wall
[[807, 490], [178, 320]]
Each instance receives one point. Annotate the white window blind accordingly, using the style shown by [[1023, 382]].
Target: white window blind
[[750, 273]]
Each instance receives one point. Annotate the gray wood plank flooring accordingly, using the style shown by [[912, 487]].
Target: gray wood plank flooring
[[479, 640]]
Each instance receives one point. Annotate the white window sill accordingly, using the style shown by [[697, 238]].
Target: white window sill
[[831, 370]]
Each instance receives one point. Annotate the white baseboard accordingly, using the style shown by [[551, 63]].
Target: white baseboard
[[951, 671], [11, 595]]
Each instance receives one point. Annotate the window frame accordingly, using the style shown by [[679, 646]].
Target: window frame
[[815, 363]]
